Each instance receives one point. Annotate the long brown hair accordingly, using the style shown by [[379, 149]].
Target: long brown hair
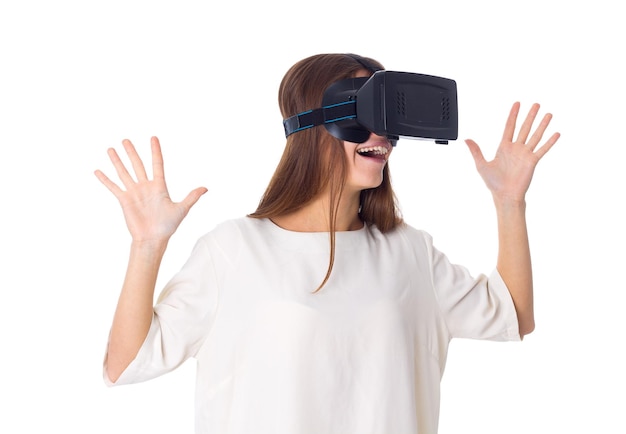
[[314, 161]]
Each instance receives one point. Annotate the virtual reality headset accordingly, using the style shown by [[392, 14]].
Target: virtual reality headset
[[390, 104]]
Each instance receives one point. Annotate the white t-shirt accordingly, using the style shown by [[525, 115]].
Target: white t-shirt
[[363, 355]]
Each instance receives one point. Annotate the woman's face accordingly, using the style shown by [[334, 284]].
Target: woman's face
[[366, 162]]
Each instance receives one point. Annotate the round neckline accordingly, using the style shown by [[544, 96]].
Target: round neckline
[[280, 228], [313, 241]]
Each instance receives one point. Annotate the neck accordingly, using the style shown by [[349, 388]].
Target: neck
[[315, 216]]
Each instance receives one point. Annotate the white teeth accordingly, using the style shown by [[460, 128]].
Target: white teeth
[[379, 150]]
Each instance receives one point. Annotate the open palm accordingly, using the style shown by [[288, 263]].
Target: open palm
[[509, 174], [149, 212]]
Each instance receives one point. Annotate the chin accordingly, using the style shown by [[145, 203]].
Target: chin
[[366, 185]]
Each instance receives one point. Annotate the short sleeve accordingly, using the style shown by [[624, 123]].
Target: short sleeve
[[478, 307], [182, 318]]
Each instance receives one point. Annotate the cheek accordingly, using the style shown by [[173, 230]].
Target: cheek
[[351, 154]]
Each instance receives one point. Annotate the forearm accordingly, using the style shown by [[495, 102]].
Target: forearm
[[134, 311], [514, 262]]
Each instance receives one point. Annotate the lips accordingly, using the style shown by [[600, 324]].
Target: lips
[[379, 151]]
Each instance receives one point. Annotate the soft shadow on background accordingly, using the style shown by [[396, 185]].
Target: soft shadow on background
[[78, 77]]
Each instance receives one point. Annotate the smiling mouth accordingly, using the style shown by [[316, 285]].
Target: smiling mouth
[[379, 152]]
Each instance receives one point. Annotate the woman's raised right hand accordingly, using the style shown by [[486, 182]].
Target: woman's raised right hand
[[150, 214]]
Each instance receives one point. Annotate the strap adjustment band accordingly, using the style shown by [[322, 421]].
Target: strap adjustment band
[[324, 115]]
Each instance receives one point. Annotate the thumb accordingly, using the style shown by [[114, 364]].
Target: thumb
[[193, 197], [477, 154]]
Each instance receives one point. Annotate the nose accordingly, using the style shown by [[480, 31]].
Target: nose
[[391, 140]]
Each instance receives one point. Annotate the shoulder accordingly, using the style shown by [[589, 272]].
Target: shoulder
[[236, 231], [403, 243], [237, 226], [229, 238], [404, 232]]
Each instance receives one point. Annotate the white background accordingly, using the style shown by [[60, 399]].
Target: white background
[[78, 77]]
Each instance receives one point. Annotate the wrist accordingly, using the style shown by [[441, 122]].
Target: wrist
[[149, 245], [509, 203]]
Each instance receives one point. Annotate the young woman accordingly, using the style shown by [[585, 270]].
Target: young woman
[[322, 311]]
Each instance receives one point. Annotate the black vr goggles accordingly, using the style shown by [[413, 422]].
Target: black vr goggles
[[390, 104]]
